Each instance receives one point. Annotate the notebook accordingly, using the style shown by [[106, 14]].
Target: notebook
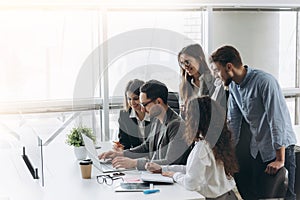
[[158, 178], [103, 166]]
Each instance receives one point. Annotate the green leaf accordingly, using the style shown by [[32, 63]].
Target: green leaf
[[74, 137]]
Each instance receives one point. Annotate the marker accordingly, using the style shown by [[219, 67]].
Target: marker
[[151, 191]]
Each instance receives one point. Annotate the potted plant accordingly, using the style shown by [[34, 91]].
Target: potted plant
[[74, 138]]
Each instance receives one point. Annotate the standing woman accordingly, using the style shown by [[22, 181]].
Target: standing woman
[[134, 124], [196, 78]]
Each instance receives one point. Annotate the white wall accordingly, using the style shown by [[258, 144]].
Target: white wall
[[254, 34]]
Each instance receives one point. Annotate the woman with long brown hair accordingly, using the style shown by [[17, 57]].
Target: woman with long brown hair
[[212, 162], [196, 78]]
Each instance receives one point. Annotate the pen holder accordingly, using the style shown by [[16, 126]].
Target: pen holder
[[86, 168]]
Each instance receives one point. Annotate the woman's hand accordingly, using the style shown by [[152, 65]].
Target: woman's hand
[[153, 167], [168, 174], [118, 146], [182, 111]]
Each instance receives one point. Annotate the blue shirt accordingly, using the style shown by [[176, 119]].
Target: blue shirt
[[259, 99]]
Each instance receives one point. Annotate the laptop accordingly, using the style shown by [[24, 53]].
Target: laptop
[[103, 166]]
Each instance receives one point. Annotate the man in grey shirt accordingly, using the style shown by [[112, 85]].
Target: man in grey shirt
[[165, 144], [257, 97]]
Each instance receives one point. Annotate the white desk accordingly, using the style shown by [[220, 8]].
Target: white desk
[[63, 180]]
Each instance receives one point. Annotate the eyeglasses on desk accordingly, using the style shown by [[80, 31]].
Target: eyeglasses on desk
[[107, 179]]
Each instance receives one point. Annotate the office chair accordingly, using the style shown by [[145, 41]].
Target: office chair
[[173, 101], [297, 176], [273, 186]]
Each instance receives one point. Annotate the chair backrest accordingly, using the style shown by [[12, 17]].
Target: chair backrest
[[273, 186], [173, 101], [297, 176]]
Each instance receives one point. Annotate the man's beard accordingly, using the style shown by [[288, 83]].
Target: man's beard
[[227, 82]]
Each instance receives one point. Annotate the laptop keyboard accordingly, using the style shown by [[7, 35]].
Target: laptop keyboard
[[107, 161]]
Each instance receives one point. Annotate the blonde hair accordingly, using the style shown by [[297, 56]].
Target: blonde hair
[[133, 86]]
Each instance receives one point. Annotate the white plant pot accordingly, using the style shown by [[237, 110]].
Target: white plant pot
[[80, 152]]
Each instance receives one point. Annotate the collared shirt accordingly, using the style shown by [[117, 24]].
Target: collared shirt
[[202, 173], [259, 99], [141, 123], [207, 86], [165, 139], [219, 94]]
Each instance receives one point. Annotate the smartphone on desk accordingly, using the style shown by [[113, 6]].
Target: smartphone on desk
[[132, 187]]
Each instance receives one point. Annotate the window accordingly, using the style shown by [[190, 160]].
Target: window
[[42, 52], [150, 60], [266, 39]]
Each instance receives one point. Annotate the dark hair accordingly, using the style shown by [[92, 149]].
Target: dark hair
[[226, 54], [133, 86], [155, 89], [186, 87], [206, 121]]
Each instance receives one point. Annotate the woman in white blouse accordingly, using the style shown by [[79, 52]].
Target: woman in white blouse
[[212, 162]]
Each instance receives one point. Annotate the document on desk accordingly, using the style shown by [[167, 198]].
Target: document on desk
[[151, 177]]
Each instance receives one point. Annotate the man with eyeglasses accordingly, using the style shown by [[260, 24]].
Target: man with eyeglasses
[[165, 144]]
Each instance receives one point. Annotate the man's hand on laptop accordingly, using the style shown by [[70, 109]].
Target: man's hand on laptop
[[124, 162], [110, 154]]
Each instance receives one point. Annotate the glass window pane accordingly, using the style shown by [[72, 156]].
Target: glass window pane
[[265, 39], [42, 52], [150, 63], [287, 49]]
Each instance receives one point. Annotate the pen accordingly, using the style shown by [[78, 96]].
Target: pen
[[118, 144], [150, 191], [154, 154]]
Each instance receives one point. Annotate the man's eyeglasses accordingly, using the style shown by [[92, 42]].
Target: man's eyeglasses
[[145, 104], [185, 63], [107, 179]]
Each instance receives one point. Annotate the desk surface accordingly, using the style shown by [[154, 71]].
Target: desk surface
[[63, 180]]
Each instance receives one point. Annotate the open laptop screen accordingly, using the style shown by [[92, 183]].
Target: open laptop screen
[[91, 150]]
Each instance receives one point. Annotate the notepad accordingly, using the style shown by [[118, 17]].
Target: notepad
[[151, 177]]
